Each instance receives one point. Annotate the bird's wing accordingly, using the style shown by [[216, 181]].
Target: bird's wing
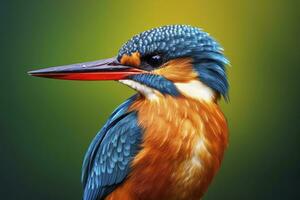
[[107, 161]]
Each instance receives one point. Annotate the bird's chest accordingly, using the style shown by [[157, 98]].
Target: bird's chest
[[182, 147]]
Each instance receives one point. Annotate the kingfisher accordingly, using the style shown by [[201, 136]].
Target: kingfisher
[[167, 141]]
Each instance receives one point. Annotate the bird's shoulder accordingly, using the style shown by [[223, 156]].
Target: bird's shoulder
[[107, 161]]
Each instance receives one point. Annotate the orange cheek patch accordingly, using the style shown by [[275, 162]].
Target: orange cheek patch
[[132, 60], [178, 70]]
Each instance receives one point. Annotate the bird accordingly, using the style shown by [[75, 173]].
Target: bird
[[168, 140]]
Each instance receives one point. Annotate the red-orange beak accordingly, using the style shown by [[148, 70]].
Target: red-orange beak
[[107, 69]]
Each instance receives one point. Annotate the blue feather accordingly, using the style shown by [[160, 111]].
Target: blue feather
[[157, 82], [99, 136], [107, 161], [210, 66]]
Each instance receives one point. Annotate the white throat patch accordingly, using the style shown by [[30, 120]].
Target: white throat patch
[[148, 92], [196, 90]]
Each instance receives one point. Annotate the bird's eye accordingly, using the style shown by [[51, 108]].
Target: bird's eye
[[155, 60]]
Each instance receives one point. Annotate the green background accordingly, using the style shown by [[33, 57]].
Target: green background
[[46, 125]]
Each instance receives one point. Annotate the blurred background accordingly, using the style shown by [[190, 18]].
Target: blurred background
[[47, 125]]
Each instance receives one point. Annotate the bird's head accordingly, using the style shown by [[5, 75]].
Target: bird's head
[[170, 60]]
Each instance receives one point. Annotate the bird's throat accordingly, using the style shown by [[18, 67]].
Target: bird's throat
[[149, 93], [194, 89]]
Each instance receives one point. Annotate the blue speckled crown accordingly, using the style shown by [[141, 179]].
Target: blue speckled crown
[[172, 40]]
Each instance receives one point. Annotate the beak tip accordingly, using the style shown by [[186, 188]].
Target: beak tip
[[32, 73], [38, 72]]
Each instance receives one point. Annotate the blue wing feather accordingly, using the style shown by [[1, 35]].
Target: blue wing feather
[[107, 161]]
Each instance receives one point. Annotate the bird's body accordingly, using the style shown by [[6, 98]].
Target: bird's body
[[166, 142], [182, 148]]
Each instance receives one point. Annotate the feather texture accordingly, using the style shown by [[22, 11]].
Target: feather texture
[[107, 161], [182, 149]]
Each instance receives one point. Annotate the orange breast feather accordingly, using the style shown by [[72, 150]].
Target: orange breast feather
[[183, 145]]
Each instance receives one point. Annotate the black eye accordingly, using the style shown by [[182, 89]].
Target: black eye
[[154, 61]]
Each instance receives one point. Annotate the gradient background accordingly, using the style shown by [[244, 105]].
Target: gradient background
[[46, 125]]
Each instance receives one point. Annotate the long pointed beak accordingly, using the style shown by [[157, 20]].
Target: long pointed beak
[[107, 69]]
